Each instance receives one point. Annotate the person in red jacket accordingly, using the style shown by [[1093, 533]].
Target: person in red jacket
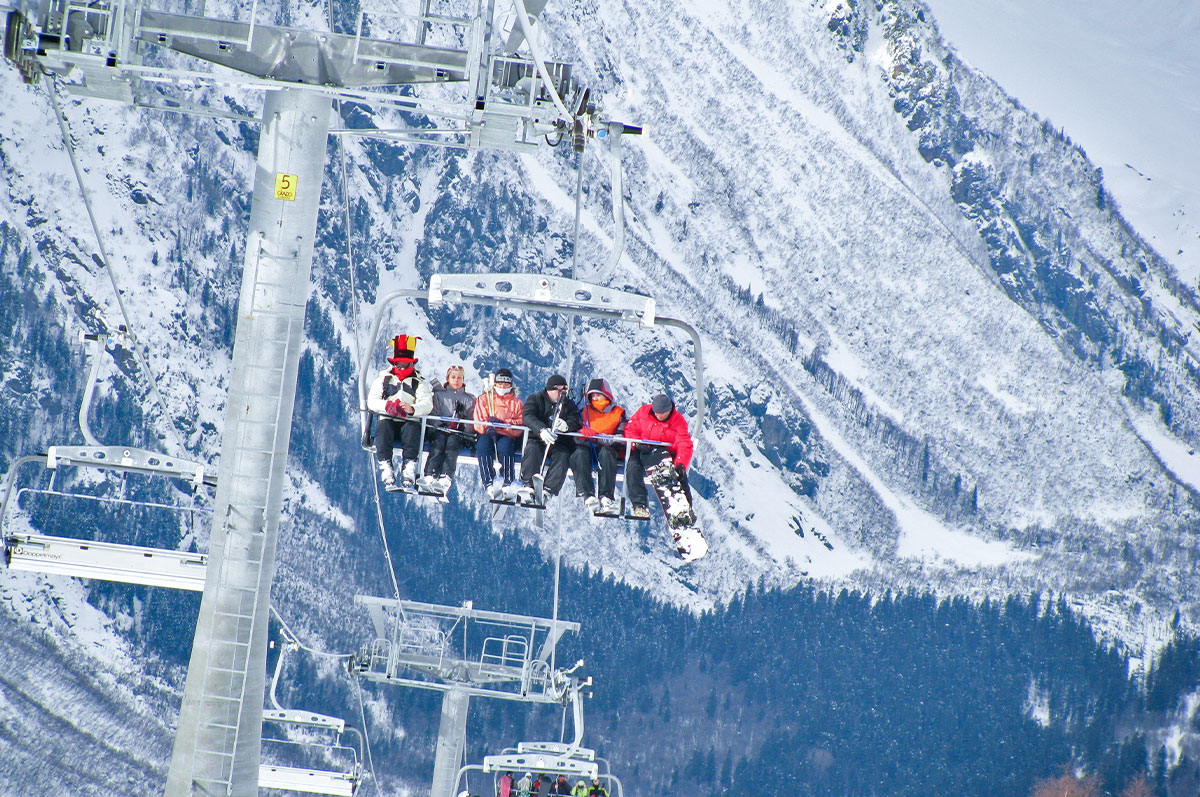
[[661, 422]]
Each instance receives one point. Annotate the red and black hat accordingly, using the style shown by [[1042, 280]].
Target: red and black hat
[[403, 349]]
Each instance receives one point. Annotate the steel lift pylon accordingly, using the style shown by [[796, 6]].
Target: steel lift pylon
[[507, 102]]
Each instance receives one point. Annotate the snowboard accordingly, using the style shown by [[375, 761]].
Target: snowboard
[[681, 518]]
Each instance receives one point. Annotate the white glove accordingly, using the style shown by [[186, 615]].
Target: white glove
[[560, 425], [547, 437]]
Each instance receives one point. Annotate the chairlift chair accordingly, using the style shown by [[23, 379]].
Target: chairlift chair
[[342, 782], [527, 293], [132, 564]]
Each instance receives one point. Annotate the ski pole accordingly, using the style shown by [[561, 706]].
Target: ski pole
[[546, 453]]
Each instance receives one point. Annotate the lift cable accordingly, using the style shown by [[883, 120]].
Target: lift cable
[[51, 87], [362, 713], [570, 377], [358, 353]]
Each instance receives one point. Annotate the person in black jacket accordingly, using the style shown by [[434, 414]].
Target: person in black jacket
[[548, 414]]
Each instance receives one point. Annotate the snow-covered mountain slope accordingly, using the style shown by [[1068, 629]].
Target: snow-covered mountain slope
[[936, 354], [1121, 78]]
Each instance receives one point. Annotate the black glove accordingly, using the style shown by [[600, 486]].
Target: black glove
[[682, 471]]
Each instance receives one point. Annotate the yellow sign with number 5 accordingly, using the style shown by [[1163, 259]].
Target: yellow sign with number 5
[[285, 186]]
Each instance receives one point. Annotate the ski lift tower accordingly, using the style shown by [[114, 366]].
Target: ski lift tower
[[482, 95]]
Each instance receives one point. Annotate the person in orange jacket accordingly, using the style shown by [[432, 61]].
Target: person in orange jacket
[[498, 403], [602, 419], [661, 422]]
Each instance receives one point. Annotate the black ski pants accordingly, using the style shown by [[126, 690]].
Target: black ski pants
[[443, 452], [635, 473], [606, 462], [556, 462], [488, 447], [387, 430]]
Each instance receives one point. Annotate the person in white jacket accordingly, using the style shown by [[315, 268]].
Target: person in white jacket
[[399, 393]]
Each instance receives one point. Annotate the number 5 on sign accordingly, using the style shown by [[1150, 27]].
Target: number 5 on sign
[[285, 186]]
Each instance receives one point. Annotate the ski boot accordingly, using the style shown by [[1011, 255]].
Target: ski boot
[[387, 474], [408, 475]]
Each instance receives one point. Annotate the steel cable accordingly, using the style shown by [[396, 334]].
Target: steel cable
[[107, 262]]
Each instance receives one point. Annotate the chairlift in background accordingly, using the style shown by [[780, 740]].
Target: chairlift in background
[[571, 760], [84, 558], [307, 735], [464, 652]]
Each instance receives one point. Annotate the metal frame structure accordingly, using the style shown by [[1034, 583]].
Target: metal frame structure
[[131, 564], [534, 293], [311, 781], [465, 652], [502, 101]]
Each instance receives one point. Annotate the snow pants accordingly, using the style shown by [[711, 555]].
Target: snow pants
[[635, 473], [556, 462], [488, 447], [443, 452], [606, 462], [387, 430]]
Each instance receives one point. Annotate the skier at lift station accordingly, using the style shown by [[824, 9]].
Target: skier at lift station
[[399, 392]]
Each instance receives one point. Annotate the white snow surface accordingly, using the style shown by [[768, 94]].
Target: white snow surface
[[1122, 79]]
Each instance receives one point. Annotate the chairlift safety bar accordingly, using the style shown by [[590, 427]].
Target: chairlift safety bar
[[133, 460]]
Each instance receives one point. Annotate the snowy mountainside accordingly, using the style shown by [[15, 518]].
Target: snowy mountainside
[[936, 355]]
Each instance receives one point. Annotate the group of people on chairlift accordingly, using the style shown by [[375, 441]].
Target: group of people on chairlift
[[532, 785], [560, 434]]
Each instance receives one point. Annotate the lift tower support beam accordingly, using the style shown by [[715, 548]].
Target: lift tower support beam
[[219, 736]]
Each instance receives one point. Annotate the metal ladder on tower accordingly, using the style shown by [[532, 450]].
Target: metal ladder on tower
[[240, 574]]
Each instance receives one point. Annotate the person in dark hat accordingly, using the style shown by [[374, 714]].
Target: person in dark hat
[[548, 414], [661, 422], [497, 411], [397, 394]]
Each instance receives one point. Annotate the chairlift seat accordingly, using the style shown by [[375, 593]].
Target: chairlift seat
[[308, 781]]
